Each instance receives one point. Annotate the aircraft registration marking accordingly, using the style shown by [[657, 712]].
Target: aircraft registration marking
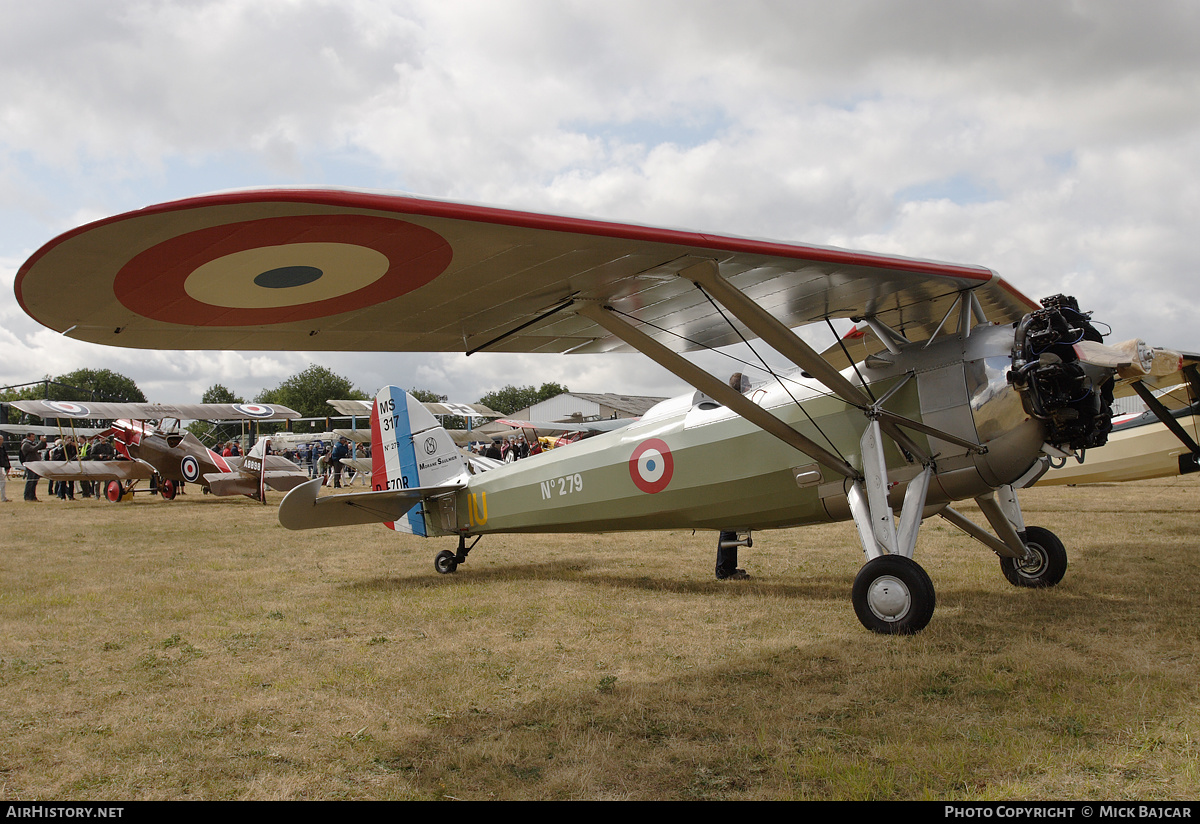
[[565, 485], [477, 508]]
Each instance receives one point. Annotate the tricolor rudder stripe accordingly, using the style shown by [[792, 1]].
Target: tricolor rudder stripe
[[409, 450]]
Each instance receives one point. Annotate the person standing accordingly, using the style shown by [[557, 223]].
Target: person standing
[[29, 454], [318, 449], [340, 450], [5, 465]]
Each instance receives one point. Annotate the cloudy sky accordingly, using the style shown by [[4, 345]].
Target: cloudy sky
[[1056, 142]]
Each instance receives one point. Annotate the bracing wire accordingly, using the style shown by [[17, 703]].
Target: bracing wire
[[762, 365]]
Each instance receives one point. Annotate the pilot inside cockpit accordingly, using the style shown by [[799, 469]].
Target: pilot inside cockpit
[[740, 382]]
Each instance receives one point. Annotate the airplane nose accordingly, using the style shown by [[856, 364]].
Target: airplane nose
[[1070, 394]]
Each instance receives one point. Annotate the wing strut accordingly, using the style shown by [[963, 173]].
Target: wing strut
[[715, 388], [773, 332], [1164, 415]]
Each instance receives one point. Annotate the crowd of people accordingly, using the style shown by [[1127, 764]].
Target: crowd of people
[[508, 449], [68, 448], [315, 457]]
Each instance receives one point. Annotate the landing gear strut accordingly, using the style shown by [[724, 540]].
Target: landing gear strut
[[446, 562]]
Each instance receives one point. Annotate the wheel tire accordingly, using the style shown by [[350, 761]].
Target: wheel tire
[[1048, 567], [893, 595], [445, 562], [112, 491], [168, 489]]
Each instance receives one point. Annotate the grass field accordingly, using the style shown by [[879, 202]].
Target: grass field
[[197, 650]]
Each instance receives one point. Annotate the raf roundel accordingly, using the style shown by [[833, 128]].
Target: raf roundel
[[254, 410], [67, 408], [191, 469], [651, 466]]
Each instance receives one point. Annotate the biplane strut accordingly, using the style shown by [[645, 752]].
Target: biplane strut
[[892, 593]]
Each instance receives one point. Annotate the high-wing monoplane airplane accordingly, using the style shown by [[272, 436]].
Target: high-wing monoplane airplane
[[969, 387], [164, 451]]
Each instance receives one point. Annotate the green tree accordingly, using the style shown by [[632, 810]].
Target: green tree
[[307, 393], [219, 393], [95, 385], [512, 398], [81, 385]]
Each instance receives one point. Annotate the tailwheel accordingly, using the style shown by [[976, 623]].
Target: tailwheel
[[1045, 565], [445, 562], [893, 595]]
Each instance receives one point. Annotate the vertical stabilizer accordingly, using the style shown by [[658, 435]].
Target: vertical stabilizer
[[410, 450], [256, 463]]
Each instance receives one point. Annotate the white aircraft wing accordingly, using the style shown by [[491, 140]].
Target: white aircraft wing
[[84, 431], [48, 410], [462, 410], [555, 428], [90, 470], [349, 270]]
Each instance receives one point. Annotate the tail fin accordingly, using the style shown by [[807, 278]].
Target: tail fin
[[256, 461], [410, 450]]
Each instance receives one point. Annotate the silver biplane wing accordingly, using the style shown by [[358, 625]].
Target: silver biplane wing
[[103, 410], [82, 470], [462, 410]]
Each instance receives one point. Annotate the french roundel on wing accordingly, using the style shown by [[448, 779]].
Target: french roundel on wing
[[280, 270], [191, 469], [651, 465], [67, 408], [254, 410]]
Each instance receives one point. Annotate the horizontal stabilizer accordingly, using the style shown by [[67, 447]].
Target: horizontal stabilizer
[[302, 509], [283, 480], [223, 484]]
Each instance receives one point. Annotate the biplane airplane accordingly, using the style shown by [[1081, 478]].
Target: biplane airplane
[[968, 388], [151, 445], [1158, 443]]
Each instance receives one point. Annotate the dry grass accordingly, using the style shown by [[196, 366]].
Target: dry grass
[[195, 649]]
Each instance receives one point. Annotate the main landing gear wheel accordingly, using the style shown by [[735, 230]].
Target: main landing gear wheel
[[168, 489], [1044, 568], [113, 491], [893, 595], [445, 562]]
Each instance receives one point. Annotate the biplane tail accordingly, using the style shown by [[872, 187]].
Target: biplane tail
[[255, 463], [410, 450]]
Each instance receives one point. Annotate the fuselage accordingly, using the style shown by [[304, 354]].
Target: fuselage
[[139, 440], [692, 463]]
